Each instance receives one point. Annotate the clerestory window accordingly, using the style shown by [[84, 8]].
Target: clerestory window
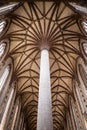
[[4, 77], [2, 49], [2, 26], [84, 25]]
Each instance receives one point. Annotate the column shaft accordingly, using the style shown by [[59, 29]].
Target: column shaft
[[44, 118]]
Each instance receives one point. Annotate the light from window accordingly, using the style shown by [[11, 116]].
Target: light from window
[[8, 7], [85, 48], [2, 48], [2, 26], [84, 24], [4, 77]]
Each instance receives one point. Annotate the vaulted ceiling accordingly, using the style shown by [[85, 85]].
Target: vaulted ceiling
[[31, 25]]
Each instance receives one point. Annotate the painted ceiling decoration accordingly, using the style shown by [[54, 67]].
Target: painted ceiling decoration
[[54, 26]]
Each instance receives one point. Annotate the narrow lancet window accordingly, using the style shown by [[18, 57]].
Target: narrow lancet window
[[4, 77], [2, 49], [84, 25], [2, 26], [85, 48], [5, 9]]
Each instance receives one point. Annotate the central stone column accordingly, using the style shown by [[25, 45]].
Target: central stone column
[[44, 118]]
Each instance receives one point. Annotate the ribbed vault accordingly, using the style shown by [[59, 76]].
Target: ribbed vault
[[50, 25]]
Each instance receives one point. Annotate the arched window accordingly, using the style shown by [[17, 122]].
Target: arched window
[[4, 77], [2, 48], [7, 8], [84, 46], [2, 26], [84, 25]]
